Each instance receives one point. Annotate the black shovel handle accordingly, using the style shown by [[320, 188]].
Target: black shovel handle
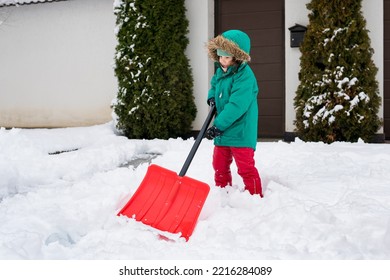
[[197, 141]]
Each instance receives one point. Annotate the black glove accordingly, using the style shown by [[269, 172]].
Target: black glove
[[213, 132], [211, 101]]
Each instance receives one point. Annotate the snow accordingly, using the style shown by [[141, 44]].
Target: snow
[[117, 3], [21, 2], [61, 189], [329, 108]]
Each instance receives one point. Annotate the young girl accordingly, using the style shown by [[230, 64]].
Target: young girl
[[234, 93]]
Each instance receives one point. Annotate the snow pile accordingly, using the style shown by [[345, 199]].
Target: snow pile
[[61, 189]]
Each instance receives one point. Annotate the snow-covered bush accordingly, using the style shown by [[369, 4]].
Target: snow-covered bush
[[155, 98], [337, 99]]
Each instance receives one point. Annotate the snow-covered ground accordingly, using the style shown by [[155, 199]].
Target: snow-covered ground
[[60, 191]]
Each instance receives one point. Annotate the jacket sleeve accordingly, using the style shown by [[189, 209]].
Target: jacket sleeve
[[243, 93], [212, 88]]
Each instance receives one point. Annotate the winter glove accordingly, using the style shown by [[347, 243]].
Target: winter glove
[[211, 101], [213, 132]]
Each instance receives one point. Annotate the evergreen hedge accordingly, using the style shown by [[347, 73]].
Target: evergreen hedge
[[338, 96], [155, 98]]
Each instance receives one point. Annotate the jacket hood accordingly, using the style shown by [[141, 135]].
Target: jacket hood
[[234, 42]]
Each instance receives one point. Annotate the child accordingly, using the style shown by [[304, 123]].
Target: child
[[234, 93]]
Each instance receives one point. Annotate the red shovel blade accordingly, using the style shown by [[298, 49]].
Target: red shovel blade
[[167, 202]]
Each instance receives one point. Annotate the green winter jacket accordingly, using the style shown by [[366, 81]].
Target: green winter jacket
[[235, 92]]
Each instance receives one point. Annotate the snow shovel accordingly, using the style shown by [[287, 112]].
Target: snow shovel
[[167, 201]]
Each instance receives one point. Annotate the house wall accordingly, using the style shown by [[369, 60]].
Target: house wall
[[56, 65], [296, 12], [200, 14], [373, 11]]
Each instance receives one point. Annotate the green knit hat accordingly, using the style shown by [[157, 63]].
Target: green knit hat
[[240, 38]]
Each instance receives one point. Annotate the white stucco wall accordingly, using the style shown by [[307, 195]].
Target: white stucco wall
[[373, 11], [296, 12], [57, 64], [200, 14]]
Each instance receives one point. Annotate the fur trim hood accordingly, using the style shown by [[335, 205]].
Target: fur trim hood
[[235, 42]]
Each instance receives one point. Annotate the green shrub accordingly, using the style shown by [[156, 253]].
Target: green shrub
[[337, 99], [155, 98]]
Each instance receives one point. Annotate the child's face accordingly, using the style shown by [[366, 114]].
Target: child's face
[[225, 62]]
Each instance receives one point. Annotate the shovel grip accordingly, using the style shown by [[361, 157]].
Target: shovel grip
[[199, 138]]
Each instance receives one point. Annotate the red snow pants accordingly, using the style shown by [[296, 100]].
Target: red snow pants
[[244, 158]]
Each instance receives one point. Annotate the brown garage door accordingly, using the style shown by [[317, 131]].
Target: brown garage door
[[386, 102], [263, 21]]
